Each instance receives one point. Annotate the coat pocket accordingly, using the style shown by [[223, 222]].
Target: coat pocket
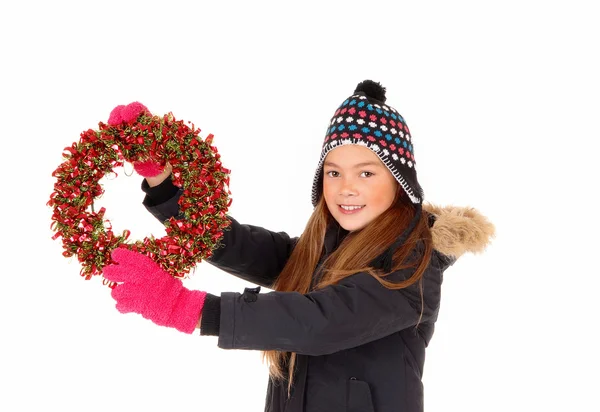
[[358, 396]]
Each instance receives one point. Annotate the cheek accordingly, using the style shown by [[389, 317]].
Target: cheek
[[383, 194], [328, 191]]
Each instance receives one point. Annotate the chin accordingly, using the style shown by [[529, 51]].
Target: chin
[[350, 226]]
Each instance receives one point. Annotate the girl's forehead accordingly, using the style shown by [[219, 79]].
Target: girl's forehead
[[350, 155]]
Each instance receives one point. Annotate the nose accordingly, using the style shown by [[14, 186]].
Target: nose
[[348, 187]]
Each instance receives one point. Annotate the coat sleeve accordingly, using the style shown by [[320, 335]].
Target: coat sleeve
[[253, 253], [356, 311], [248, 252]]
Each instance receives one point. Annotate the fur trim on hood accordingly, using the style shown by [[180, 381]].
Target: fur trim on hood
[[458, 230]]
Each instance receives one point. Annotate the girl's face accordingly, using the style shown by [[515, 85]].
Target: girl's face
[[357, 186]]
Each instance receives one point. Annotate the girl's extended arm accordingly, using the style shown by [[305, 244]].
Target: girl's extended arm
[[249, 252]]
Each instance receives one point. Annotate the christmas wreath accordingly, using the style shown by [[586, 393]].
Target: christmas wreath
[[132, 134]]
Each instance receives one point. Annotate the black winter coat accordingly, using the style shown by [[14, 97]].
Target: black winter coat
[[357, 344]]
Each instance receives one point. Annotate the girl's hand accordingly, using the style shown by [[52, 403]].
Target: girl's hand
[[158, 179], [145, 288]]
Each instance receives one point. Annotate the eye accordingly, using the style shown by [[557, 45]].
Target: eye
[[368, 173], [332, 171]]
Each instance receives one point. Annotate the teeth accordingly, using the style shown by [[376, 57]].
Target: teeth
[[351, 207]]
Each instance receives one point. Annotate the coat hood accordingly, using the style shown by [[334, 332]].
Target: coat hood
[[458, 230]]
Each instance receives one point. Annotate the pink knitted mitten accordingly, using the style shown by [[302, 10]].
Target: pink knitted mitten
[[144, 288], [128, 114], [148, 168]]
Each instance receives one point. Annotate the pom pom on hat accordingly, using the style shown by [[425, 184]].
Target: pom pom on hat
[[372, 89]]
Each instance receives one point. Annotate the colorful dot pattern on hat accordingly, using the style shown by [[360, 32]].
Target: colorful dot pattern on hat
[[380, 125]]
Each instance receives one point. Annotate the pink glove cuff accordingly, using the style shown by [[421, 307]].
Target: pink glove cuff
[[187, 310]]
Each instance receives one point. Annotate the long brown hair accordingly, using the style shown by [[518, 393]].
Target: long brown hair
[[353, 255]]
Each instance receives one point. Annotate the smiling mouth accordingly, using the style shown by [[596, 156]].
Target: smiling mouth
[[350, 208]]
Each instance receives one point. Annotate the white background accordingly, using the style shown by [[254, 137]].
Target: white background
[[502, 102]]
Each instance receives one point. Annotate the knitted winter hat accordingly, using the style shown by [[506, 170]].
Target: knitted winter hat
[[364, 119]]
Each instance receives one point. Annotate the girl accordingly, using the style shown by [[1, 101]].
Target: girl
[[356, 296]]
